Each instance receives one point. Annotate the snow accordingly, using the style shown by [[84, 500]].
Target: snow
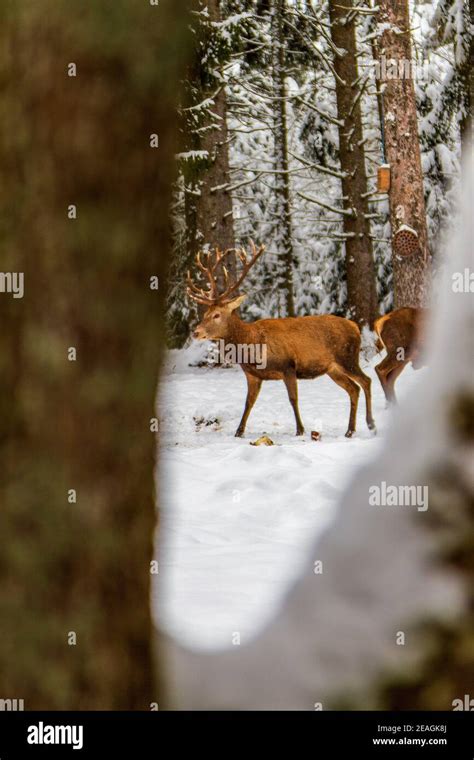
[[192, 155], [237, 18], [383, 27], [237, 520], [334, 635], [407, 228]]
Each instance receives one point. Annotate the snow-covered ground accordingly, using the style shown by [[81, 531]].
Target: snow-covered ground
[[237, 520]]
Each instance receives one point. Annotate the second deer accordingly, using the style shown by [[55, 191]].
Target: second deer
[[402, 334], [296, 347]]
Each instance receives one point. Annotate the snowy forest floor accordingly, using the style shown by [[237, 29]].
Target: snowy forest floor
[[237, 520]]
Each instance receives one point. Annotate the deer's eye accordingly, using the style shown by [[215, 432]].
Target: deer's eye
[[216, 316]]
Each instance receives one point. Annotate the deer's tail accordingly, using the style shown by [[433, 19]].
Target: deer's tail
[[378, 328]]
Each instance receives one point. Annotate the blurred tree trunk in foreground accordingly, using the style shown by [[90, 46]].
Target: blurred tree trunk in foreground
[[84, 198]]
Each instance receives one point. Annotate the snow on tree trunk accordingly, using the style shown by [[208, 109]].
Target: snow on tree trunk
[[84, 198], [411, 273], [283, 229], [360, 270]]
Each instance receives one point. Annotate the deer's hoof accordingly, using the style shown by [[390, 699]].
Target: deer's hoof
[[300, 432], [239, 434], [371, 426], [350, 433]]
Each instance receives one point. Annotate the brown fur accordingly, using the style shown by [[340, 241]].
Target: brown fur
[[400, 329], [297, 348]]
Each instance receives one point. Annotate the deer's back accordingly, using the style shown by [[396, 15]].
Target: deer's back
[[401, 328], [310, 345]]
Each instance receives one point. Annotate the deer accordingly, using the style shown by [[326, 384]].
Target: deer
[[402, 334], [297, 348]]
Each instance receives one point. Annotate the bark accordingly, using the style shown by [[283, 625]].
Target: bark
[[82, 567], [411, 274], [284, 227], [208, 203], [360, 270], [214, 206]]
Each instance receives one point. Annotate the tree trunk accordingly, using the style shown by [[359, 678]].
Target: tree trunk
[[214, 206], [360, 270], [406, 196], [84, 199], [284, 228], [208, 203]]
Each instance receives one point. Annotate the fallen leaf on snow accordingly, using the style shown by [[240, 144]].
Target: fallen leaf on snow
[[264, 440]]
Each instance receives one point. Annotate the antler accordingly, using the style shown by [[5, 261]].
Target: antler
[[209, 269], [210, 296], [246, 267]]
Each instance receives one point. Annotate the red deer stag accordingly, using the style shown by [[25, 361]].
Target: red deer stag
[[402, 334], [296, 347]]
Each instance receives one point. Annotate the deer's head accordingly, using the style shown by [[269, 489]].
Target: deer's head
[[215, 324]]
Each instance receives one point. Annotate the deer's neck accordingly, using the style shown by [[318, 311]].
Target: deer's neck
[[239, 331]]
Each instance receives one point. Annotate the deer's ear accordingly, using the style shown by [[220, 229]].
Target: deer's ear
[[236, 302]]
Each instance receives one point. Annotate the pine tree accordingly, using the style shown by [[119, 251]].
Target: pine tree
[[203, 215], [282, 208], [406, 195], [206, 170], [360, 271], [453, 23]]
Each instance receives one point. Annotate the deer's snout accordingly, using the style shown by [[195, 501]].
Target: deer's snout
[[199, 334]]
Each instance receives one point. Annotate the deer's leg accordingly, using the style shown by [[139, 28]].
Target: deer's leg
[[380, 370], [338, 374], [384, 370], [292, 388], [253, 389], [365, 382], [390, 381]]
